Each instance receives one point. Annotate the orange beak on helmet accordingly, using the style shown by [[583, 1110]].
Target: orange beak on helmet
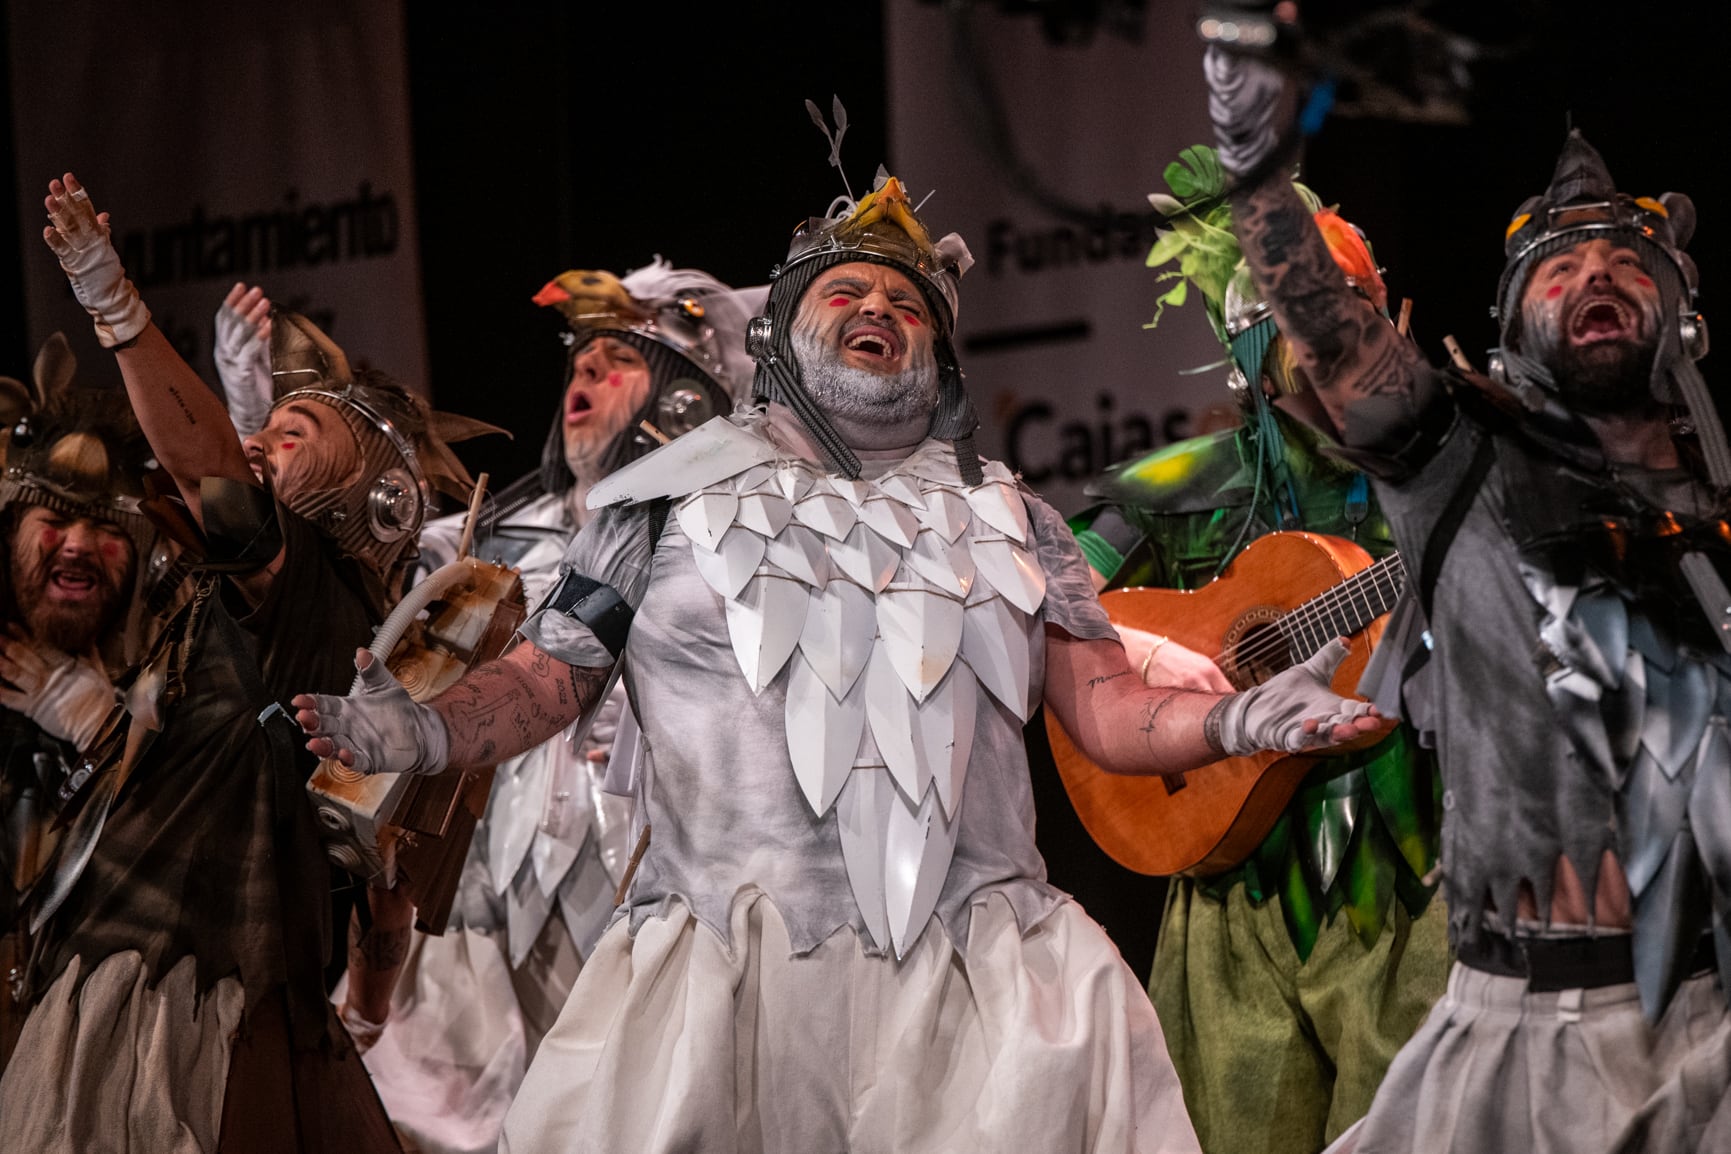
[[550, 294]]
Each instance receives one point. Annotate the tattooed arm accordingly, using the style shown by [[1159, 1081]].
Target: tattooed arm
[[1126, 727], [1384, 401], [1365, 373], [499, 710], [511, 705]]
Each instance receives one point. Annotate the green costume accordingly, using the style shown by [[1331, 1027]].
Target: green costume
[[1286, 984]]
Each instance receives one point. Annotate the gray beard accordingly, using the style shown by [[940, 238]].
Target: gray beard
[[860, 396]]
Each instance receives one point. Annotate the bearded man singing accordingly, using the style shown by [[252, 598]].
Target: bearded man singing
[[1567, 525], [177, 977], [834, 621], [69, 516]]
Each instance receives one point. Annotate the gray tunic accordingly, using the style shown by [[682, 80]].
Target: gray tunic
[[716, 783], [1572, 716]]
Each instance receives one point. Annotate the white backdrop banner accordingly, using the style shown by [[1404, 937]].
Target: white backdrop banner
[[1051, 337], [259, 143]]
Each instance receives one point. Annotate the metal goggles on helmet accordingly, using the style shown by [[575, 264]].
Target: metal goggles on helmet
[[402, 445]]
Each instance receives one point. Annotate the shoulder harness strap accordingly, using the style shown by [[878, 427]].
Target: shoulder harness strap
[[598, 605]]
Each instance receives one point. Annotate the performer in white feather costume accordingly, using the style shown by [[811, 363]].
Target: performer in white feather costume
[[662, 344], [834, 620]]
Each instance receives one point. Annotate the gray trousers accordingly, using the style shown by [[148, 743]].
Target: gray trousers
[[1498, 1069]]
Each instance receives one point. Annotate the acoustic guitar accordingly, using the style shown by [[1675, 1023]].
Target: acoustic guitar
[[1282, 599]]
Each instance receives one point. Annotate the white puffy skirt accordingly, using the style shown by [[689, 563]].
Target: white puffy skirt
[[670, 1042]]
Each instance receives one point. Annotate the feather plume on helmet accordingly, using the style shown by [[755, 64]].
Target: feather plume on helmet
[[404, 445], [881, 227]]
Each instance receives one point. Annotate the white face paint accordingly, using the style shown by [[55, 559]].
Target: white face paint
[[863, 337]]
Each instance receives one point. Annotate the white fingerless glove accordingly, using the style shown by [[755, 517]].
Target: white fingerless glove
[[88, 258], [385, 728], [243, 366], [1272, 715], [1244, 102], [68, 698]]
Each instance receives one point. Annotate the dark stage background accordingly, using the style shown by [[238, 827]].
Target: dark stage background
[[546, 135]]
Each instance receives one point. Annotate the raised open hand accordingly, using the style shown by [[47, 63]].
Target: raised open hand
[[242, 356], [1296, 710], [79, 236]]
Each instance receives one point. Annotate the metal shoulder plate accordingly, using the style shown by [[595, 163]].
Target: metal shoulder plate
[[710, 453]]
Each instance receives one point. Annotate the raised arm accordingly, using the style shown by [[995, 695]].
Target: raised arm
[[1354, 358], [1375, 386], [185, 423]]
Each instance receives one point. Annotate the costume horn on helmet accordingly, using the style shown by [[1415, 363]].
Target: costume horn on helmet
[[402, 443], [689, 327], [1582, 203], [880, 228]]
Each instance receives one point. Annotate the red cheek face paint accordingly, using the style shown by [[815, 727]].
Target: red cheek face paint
[[110, 550], [287, 446], [838, 302], [913, 321], [614, 380], [51, 539], [1553, 292], [1644, 282]]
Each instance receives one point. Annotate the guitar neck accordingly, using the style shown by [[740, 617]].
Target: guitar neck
[[1345, 609]]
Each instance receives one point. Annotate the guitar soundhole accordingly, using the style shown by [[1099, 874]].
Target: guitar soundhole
[[1256, 650]]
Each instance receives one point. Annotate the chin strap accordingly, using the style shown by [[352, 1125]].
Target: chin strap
[[968, 460], [1709, 432]]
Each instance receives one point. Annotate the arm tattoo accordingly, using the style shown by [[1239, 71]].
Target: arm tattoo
[[1346, 349], [180, 402], [503, 708], [1096, 682], [380, 949], [1151, 711]]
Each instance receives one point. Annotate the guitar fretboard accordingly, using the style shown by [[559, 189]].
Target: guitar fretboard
[[1343, 610]]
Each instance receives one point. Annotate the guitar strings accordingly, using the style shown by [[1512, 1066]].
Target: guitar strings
[[1296, 625]]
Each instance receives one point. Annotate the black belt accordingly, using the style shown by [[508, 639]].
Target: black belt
[[1550, 964]]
